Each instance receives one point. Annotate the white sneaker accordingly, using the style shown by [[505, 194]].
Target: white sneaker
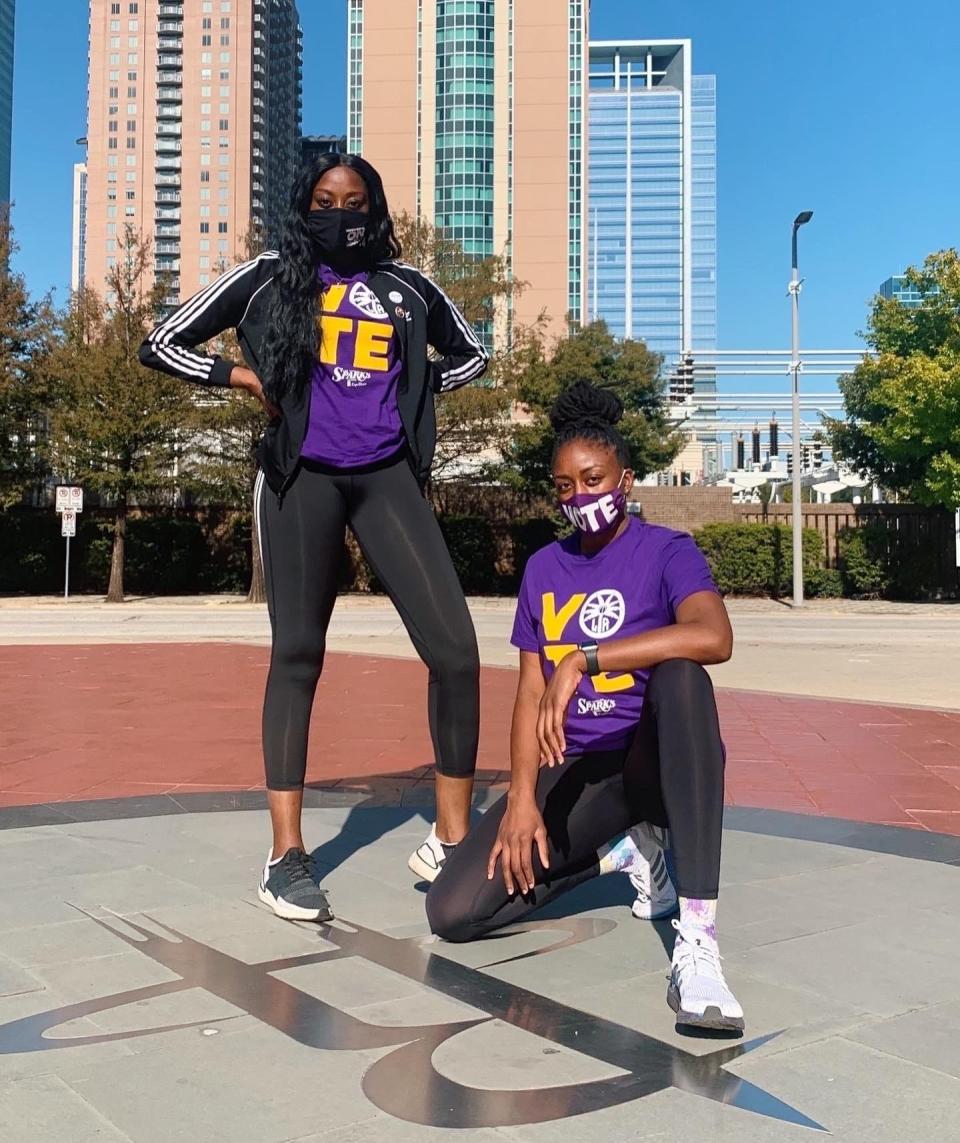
[[429, 858], [656, 895], [698, 992]]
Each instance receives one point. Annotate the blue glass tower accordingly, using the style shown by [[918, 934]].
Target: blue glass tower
[[6, 94], [651, 213]]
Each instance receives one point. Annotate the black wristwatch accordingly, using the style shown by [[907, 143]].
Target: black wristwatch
[[590, 654]]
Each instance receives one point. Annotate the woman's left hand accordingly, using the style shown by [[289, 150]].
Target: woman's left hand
[[553, 708]]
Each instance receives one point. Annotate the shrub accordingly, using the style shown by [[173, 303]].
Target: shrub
[[472, 547], [756, 559], [863, 560], [823, 583]]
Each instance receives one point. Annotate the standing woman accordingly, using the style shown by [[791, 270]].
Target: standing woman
[[615, 728], [335, 331]]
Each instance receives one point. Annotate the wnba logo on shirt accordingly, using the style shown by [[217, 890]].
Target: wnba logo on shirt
[[598, 615]]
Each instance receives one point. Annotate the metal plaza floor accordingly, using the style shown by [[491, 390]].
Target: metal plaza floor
[[146, 995]]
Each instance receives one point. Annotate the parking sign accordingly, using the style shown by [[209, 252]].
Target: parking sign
[[68, 522], [69, 498]]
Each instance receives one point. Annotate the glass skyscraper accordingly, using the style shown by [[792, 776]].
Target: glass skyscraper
[[473, 111], [899, 289], [6, 94], [651, 215]]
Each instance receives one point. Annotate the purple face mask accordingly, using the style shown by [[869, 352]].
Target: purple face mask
[[596, 514]]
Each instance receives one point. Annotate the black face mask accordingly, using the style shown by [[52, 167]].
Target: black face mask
[[339, 236]]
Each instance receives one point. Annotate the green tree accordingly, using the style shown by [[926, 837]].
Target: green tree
[[473, 423], [594, 354], [27, 331], [115, 427], [902, 406]]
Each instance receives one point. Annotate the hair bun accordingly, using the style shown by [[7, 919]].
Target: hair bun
[[585, 404]]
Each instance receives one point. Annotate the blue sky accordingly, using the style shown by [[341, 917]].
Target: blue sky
[[847, 108]]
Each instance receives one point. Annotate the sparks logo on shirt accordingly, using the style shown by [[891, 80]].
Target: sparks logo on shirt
[[600, 615], [355, 346]]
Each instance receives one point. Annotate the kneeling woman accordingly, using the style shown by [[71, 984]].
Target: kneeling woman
[[614, 625]]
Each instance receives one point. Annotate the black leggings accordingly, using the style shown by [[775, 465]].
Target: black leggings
[[671, 775], [302, 549]]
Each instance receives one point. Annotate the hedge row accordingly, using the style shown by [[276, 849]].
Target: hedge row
[[177, 552]]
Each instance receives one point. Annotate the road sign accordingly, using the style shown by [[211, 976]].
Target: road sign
[[69, 498], [68, 523]]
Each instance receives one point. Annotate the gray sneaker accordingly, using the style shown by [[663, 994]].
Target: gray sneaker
[[288, 887]]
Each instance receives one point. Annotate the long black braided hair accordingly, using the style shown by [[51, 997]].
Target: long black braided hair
[[291, 343]]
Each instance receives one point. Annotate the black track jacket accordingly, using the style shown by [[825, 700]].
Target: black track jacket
[[421, 314]]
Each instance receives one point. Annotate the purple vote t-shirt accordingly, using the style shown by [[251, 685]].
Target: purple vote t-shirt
[[634, 584], [354, 419]]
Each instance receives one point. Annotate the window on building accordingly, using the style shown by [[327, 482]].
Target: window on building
[[134, 7], [204, 243], [207, 23], [131, 142], [206, 40], [131, 124], [131, 194], [222, 227], [204, 176], [204, 227], [111, 144], [224, 124], [205, 126], [131, 108], [224, 57], [224, 42]]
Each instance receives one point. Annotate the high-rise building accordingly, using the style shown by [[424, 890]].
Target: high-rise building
[[78, 254], [651, 214], [6, 94], [651, 227], [312, 146], [193, 131], [899, 289], [473, 112]]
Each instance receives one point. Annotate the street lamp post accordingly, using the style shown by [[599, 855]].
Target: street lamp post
[[795, 283]]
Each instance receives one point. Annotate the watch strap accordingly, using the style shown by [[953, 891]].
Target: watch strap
[[590, 654]]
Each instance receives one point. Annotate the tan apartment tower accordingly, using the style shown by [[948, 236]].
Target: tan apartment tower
[[473, 111], [193, 131]]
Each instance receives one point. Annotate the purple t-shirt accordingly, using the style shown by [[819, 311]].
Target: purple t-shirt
[[354, 419], [634, 584]]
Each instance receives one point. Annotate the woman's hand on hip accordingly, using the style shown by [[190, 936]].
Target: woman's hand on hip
[[553, 707], [246, 379], [521, 828]]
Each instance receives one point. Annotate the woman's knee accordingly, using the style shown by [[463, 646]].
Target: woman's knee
[[679, 676], [298, 658], [447, 917], [456, 662]]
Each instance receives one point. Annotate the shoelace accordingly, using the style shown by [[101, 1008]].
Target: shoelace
[[296, 865], [704, 958]]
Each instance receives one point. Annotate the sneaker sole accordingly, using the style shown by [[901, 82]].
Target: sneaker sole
[[712, 1018], [417, 865], [664, 910], [288, 912]]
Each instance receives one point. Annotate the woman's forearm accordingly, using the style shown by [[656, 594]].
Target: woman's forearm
[[701, 642], [524, 748]]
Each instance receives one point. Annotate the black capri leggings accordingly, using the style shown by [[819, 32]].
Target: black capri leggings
[[302, 549], [670, 775]]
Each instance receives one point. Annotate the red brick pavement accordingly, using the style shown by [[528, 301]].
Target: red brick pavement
[[100, 721]]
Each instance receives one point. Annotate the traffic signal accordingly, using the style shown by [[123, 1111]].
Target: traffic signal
[[790, 463]]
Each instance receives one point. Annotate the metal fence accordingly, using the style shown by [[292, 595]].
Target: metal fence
[[930, 529]]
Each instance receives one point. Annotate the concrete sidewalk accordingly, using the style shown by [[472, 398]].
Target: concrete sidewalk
[[885, 652]]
